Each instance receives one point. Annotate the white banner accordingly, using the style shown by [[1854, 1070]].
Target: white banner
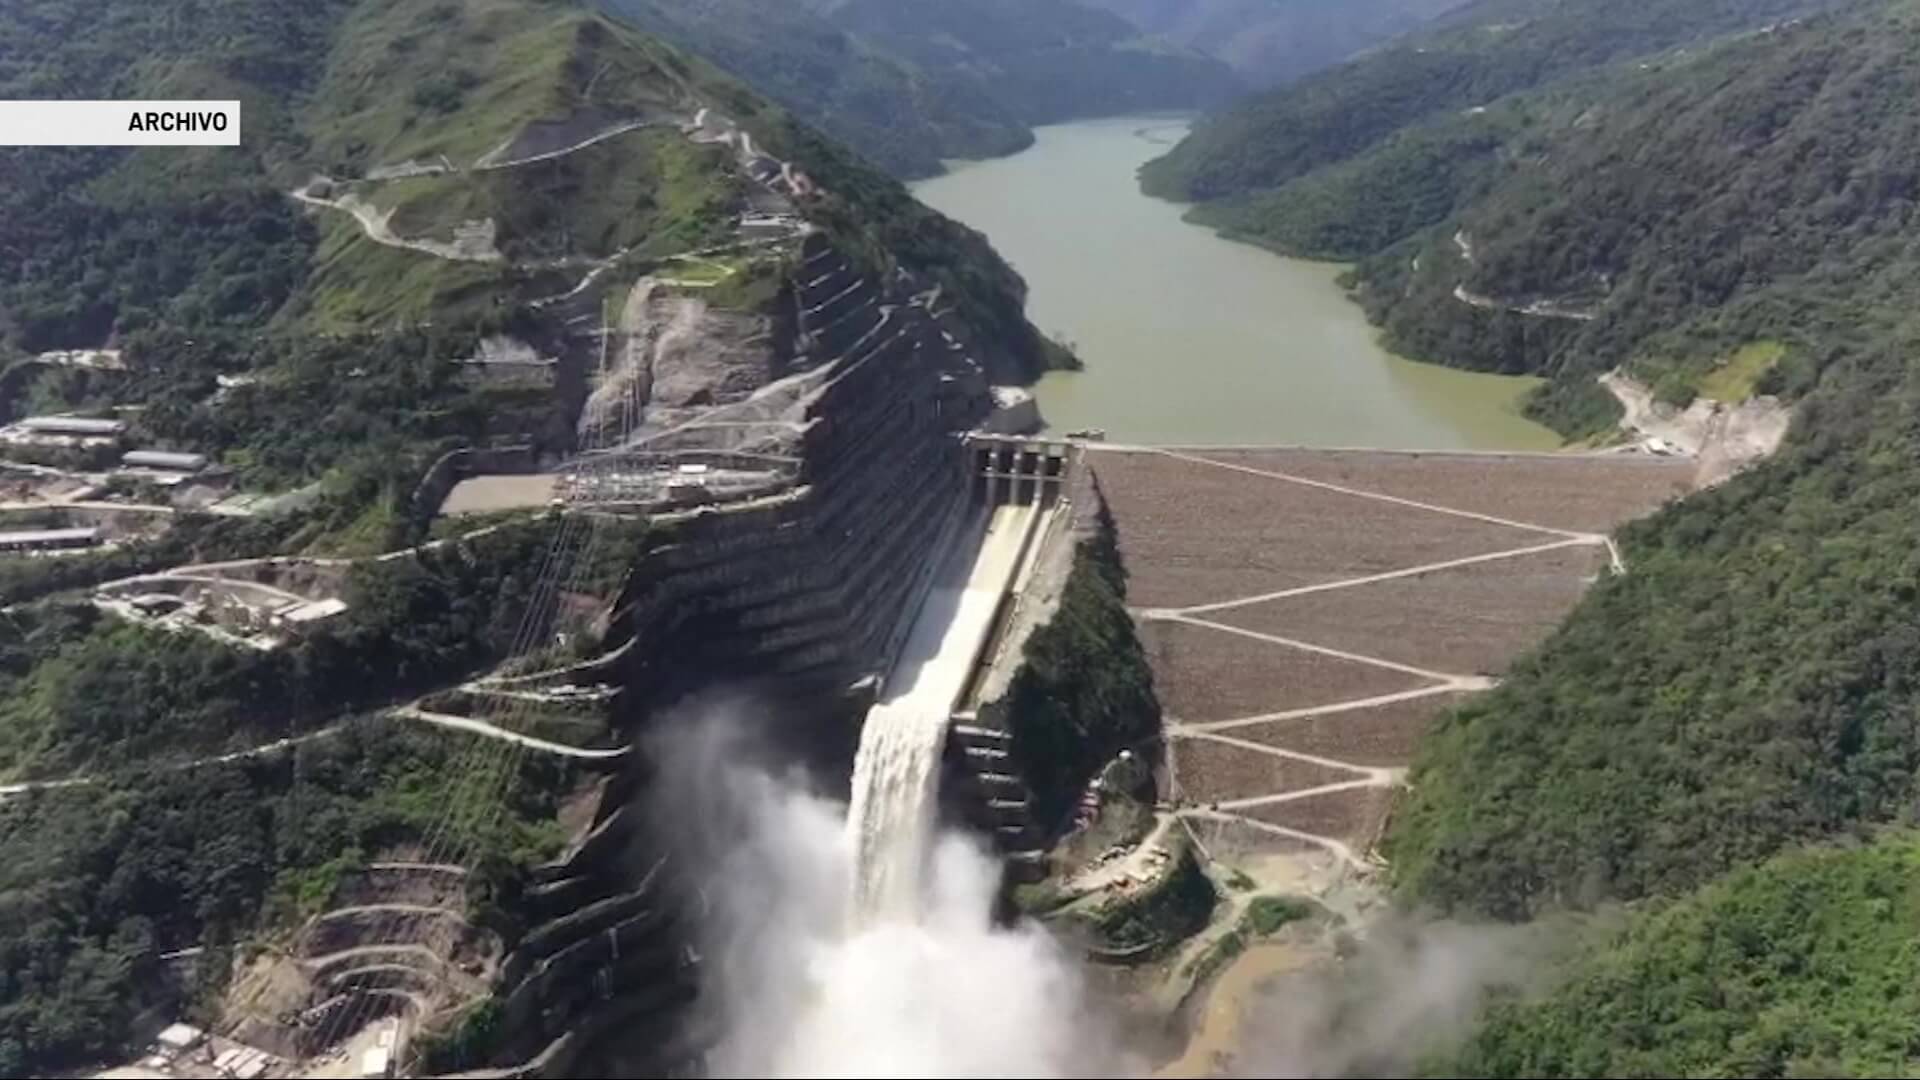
[[119, 123]]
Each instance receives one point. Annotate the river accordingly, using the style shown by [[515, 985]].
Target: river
[[1191, 339]]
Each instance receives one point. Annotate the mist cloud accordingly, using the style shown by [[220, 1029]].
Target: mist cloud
[[800, 994], [1410, 988]]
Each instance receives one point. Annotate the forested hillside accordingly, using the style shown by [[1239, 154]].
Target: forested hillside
[[1276, 41], [908, 83], [1752, 683], [1733, 217], [1755, 194], [1804, 966], [903, 119], [416, 176], [340, 87], [1477, 54]]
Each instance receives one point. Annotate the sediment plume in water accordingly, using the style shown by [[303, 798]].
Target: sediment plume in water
[[800, 988], [891, 821]]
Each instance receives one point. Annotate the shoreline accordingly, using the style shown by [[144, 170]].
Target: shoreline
[[1189, 339]]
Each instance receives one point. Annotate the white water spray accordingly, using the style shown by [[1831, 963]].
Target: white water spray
[[807, 979], [891, 821]]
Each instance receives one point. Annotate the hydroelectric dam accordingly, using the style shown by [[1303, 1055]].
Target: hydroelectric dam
[[828, 509], [822, 509]]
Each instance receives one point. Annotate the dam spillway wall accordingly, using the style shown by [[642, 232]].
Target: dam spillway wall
[[804, 588], [807, 584]]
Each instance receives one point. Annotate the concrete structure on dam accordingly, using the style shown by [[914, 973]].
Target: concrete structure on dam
[[877, 562], [1306, 613], [839, 597]]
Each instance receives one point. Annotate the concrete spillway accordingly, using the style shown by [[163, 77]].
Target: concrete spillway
[[896, 771]]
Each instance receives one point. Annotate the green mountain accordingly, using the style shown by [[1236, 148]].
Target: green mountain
[[1276, 41], [1709, 736], [1477, 54], [1803, 966], [419, 97], [417, 179], [1752, 682], [908, 83], [903, 119]]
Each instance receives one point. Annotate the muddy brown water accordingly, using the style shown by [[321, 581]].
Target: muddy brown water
[[1192, 339]]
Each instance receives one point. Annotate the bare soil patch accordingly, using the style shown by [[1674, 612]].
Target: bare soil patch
[[1210, 772], [1472, 620], [1385, 736], [1226, 839], [1204, 675], [487, 494], [1577, 492], [1193, 533], [1353, 817]]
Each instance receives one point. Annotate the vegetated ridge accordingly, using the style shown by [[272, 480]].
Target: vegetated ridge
[[1746, 685], [1481, 52], [910, 83], [416, 177], [1802, 966], [1580, 226], [1271, 42], [1722, 217]]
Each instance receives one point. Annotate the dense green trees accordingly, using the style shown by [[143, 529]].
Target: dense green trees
[[1484, 51], [1752, 683], [1043, 60], [1369, 202], [81, 692], [97, 882], [901, 118], [95, 238], [1804, 966], [1763, 190], [1270, 43], [380, 404], [908, 83], [1085, 691]]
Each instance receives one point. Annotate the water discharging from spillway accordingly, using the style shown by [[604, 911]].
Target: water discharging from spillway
[[862, 944], [891, 822]]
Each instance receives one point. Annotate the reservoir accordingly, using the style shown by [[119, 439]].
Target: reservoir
[[1194, 340]]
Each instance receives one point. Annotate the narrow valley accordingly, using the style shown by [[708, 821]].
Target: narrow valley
[[1189, 339], [846, 538]]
